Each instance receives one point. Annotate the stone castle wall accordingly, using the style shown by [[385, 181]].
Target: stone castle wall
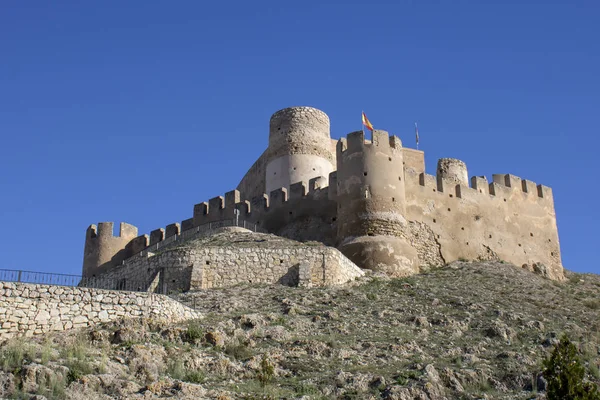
[[201, 267], [28, 309], [509, 219], [443, 217], [228, 267]]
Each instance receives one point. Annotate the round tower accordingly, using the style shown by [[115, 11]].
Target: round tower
[[103, 250], [371, 204], [299, 147], [453, 170]]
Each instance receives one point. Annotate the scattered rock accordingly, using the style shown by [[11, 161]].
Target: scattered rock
[[7, 384], [215, 338]]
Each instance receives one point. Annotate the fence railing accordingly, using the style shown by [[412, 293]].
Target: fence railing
[[142, 285], [46, 278], [200, 230]]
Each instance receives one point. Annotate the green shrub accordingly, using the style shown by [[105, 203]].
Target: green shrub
[[13, 354], [195, 376], [194, 331], [564, 372], [594, 370], [78, 369], [239, 351], [266, 373], [78, 349], [176, 369], [52, 387]]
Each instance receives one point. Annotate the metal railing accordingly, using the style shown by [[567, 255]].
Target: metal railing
[[200, 230], [143, 285], [46, 278]]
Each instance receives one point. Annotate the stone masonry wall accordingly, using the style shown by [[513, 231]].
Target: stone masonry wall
[[254, 259], [218, 267], [28, 309]]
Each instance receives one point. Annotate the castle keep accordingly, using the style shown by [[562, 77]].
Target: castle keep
[[370, 198]]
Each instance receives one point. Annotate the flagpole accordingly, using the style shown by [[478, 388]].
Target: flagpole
[[417, 135], [362, 124]]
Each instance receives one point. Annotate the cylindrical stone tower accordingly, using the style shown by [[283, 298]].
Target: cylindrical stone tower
[[102, 249], [371, 204], [299, 147], [453, 170]]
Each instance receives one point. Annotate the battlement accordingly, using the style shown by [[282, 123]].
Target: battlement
[[368, 196], [103, 249], [106, 229], [355, 142], [505, 186]]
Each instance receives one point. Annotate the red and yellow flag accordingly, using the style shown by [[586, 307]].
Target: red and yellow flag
[[366, 122]]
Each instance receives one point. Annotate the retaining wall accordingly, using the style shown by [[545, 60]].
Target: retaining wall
[[28, 309]]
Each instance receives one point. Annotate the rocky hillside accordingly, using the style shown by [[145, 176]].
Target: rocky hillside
[[465, 331]]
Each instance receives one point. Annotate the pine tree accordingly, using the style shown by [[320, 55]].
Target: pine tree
[[565, 372]]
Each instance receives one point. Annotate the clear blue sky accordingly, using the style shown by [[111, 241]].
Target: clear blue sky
[[135, 111]]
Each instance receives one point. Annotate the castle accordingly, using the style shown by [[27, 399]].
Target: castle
[[371, 199]]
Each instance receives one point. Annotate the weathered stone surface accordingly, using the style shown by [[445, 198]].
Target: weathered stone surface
[[229, 257], [76, 308]]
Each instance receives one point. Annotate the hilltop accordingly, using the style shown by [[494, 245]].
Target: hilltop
[[467, 330]]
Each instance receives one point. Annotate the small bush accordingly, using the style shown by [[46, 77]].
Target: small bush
[[176, 369], [594, 371], [592, 304], [195, 376], [194, 331], [13, 354], [266, 373], [371, 296], [46, 353], [52, 387], [239, 351], [77, 350], [78, 369]]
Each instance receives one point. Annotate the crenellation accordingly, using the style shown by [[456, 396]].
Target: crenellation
[[341, 146], [429, 182], [245, 207], [545, 193], [381, 139], [513, 182], [465, 192], [333, 183], [447, 185], [173, 229], [260, 203], [105, 229], [372, 199], [317, 183], [529, 188], [200, 213], [138, 244], [157, 235], [216, 205], [499, 178], [232, 198], [91, 232], [127, 230], [480, 183], [278, 197], [500, 190], [187, 224], [297, 190], [355, 142], [395, 142]]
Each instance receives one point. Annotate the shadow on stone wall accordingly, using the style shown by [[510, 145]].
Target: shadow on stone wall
[[291, 277]]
